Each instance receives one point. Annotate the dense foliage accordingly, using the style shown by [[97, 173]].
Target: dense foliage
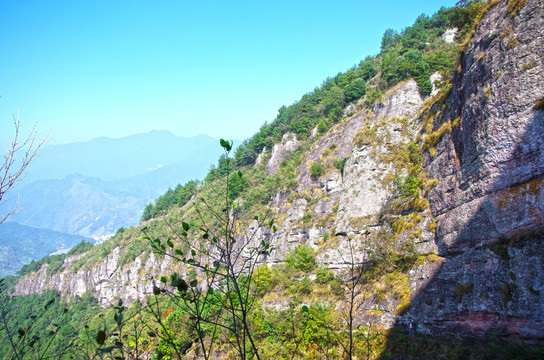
[[177, 197]]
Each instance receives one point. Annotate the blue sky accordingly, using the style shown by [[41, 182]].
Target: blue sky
[[222, 68]]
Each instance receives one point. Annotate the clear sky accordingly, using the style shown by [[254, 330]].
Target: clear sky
[[222, 68]]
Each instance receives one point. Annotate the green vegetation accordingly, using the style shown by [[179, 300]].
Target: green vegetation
[[416, 52], [54, 262], [177, 197], [515, 6], [316, 170], [302, 258], [539, 104]]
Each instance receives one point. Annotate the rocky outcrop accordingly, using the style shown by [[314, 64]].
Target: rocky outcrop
[[280, 151], [489, 201], [365, 188], [107, 281]]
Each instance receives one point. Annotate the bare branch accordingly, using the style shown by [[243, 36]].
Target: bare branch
[[21, 152]]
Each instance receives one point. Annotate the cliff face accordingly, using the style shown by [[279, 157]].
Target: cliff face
[[481, 210], [489, 201]]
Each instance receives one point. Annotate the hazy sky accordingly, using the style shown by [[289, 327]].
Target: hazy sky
[[222, 68]]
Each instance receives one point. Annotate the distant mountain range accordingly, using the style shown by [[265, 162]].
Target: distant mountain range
[[123, 158], [93, 188], [20, 244]]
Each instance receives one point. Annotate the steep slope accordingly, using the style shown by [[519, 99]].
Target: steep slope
[[442, 192]]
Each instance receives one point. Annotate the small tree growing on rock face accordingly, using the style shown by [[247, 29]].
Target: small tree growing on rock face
[[226, 257], [316, 170], [355, 260], [301, 258]]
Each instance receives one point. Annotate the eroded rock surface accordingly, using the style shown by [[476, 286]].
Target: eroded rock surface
[[489, 202]]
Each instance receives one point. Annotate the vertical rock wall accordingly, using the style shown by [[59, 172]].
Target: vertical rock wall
[[489, 201]]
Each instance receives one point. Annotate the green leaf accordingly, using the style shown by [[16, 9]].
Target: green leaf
[[181, 285], [109, 349], [163, 279], [179, 252], [119, 319], [170, 243], [49, 303], [156, 290], [101, 337], [186, 346], [227, 145], [305, 308], [193, 253], [185, 226], [151, 334], [240, 173], [193, 283]]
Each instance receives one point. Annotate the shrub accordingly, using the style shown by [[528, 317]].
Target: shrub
[[539, 104], [322, 126], [303, 287], [302, 258], [324, 276], [340, 164], [316, 169], [262, 278], [515, 6]]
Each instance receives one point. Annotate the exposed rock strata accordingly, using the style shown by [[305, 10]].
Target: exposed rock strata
[[489, 202]]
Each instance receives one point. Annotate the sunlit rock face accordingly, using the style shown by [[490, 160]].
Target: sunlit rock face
[[280, 151]]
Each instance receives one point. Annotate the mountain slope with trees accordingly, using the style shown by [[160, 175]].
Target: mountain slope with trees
[[340, 223]]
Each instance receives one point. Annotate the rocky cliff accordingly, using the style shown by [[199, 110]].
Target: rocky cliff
[[455, 178], [489, 200]]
